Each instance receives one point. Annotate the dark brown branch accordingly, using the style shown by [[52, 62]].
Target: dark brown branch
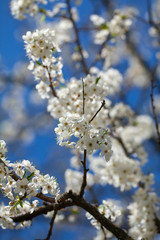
[[85, 170], [157, 222], [71, 199], [102, 105], [118, 232], [85, 68], [37, 212], [45, 198], [153, 106], [41, 210], [52, 223]]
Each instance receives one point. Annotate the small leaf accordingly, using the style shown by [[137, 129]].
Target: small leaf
[[123, 17], [43, 18], [76, 48], [30, 176], [74, 211], [21, 204], [24, 174], [38, 63], [42, 10], [97, 79], [17, 197], [113, 35], [53, 49], [104, 26]]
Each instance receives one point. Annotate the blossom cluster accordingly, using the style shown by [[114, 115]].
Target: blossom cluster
[[3, 149], [89, 138], [19, 8], [22, 180], [110, 210], [120, 171], [115, 28], [47, 68], [143, 211], [96, 87]]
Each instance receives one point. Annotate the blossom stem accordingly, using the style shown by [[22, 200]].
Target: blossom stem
[[102, 105]]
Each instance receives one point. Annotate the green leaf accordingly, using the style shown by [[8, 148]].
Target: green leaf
[[42, 10], [53, 49], [21, 204], [113, 35], [17, 197], [43, 18], [30, 176], [135, 123], [76, 48], [38, 63], [97, 79], [123, 17], [74, 211], [24, 174], [104, 26]]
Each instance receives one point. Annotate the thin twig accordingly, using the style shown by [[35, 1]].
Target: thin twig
[[83, 96], [148, 22], [153, 106], [51, 85], [104, 234], [149, 11], [52, 223], [119, 139], [84, 182], [102, 105], [85, 170], [93, 195], [98, 54], [85, 68], [87, 28]]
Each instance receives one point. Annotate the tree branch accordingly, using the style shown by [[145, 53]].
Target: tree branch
[[85, 68], [102, 105], [153, 106], [71, 199], [51, 85], [52, 223], [118, 232], [85, 170]]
